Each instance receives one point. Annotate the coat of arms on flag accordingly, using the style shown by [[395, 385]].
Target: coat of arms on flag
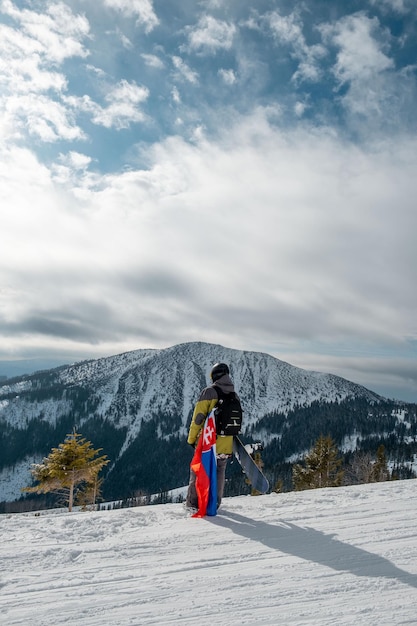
[[204, 465]]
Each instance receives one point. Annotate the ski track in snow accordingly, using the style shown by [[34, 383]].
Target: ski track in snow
[[339, 556]]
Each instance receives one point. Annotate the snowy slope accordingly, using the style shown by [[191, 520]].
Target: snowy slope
[[344, 556]]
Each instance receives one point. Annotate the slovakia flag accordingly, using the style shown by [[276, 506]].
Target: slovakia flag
[[204, 465]]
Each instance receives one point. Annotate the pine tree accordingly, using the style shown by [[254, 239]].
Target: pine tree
[[380, 471], [321, 467], [74, 463]]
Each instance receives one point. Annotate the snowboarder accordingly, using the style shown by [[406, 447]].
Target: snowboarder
[[220, 377]]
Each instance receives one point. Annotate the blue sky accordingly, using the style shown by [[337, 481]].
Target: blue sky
[[226, 171]]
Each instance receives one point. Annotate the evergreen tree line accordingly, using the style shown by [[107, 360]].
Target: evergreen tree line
[[301, 427], [323, 467], [71, 472]]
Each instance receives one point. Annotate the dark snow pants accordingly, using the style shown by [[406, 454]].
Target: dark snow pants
[[192, 499]]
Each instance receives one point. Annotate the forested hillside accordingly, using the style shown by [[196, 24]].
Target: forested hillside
[[137, 407]]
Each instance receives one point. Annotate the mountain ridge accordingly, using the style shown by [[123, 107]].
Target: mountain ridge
[[137, 406], [261, 387]]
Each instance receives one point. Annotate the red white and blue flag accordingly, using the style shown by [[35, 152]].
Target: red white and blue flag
[[204, 465]]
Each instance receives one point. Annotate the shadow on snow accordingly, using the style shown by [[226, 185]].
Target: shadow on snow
[[313, 545]]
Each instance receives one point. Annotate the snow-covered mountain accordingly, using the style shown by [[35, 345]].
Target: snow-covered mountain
[[148, 382], [137, 407]]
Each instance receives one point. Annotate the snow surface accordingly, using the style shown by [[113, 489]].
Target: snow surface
[[340, 556]]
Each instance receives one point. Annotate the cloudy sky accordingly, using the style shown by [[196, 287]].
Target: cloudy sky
[[237, 172]]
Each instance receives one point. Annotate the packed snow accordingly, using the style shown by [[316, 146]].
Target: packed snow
[[344, 555]]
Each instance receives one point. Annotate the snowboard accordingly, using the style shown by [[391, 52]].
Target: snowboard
[[248, 465]]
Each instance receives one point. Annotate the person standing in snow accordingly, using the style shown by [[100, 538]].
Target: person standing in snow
[[220, 378]]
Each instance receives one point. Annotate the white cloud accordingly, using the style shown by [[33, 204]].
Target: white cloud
[[184, 70], [176, 95], [69, 167], [228, 76], [124, 100], [39, 117], [56, 34], [299, 108], [29, 54], [327, 259], [126, 43], [361, 55], [23, 72], [96, 70], [211, 34], [288, 30], [375, 92], [152, 60], [143, 9], [76, 160]]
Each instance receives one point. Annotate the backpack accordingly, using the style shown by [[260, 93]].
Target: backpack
[[228, 413]]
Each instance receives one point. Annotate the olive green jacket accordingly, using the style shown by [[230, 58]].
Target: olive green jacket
[[205, 404]]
